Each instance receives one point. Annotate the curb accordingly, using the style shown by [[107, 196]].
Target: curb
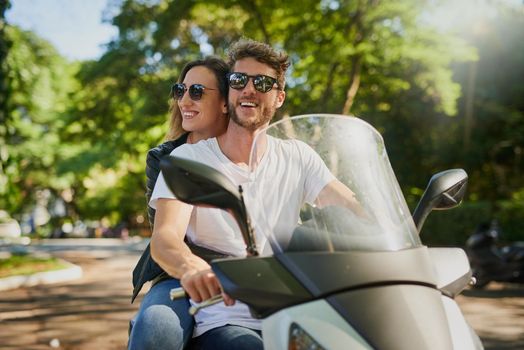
[[72, 272]]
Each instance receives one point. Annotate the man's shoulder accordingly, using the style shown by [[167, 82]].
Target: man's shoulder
[[289, 145]]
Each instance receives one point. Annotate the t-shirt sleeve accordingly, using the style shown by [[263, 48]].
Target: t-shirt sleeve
[[316, 172], [161, 190]]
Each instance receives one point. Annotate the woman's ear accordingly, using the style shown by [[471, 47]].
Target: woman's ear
[[224, 108]]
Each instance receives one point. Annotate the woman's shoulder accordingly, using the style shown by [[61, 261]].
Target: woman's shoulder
[[154, 154]]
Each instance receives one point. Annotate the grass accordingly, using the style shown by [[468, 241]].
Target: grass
[[26, 265]]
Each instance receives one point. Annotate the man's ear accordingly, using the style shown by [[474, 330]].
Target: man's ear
[[224, 108], [281, 97]]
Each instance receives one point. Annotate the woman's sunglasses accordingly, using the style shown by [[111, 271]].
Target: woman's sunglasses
[[262, 83], [195, 91]]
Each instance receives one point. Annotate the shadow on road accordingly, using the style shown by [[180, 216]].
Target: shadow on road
[[90, 313], [508, 291]]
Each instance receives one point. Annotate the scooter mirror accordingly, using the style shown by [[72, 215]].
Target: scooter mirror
[[198, 184], [445, 190]]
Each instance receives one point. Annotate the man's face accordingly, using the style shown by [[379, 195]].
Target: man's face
[[248, 107]]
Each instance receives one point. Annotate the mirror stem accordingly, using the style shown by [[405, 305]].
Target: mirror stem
[[251, 246]]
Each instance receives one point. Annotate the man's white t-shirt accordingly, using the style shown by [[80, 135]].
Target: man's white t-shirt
[[288, 175]]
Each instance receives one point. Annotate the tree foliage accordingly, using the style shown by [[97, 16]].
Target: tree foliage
[[361, 57], [88, 126], [38, 97], [5, 91]]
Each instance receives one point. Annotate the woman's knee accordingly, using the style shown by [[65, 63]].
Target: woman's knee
[[157, 327]]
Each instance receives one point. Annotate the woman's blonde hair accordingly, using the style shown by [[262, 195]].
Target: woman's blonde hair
[[219, 69]]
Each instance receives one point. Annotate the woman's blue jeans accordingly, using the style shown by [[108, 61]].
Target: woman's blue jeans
[[161, 323]]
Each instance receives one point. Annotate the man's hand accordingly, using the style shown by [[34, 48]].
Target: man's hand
[[203, 285], [337, 194]]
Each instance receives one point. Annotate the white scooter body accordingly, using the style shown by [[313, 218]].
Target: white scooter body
[[325, 325], [319, 320]]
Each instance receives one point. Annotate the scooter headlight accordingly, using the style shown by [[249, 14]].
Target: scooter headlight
[[299, 339]]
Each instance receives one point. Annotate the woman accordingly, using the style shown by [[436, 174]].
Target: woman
[[200, 112]]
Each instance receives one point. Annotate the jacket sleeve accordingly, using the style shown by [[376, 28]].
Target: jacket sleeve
[[153, 169]]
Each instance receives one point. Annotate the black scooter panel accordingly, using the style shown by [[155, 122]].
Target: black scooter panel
[[323, 273], [396, 317], [262, 283]]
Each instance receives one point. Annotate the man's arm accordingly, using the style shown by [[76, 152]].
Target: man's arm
[[170, 251], [337, 194]]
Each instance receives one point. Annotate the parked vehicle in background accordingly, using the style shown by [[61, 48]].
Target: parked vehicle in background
[[491, 261]]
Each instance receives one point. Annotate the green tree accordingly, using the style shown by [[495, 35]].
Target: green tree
[[39, 82], [486, 138], [497, 135], [494, 134], [376, 59], [4, 104], [85, 127]]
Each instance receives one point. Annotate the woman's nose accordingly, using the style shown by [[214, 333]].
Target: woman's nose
[[185, 100]]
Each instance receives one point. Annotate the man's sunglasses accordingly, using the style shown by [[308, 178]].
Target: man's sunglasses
[[195, 91], [262, 83]]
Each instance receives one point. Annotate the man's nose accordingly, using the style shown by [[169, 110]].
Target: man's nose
[[250, 87]]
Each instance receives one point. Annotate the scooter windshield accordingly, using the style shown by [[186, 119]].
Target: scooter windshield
[[324, 183]]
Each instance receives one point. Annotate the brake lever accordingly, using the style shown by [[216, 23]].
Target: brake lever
[[212, 301], [179, 293]]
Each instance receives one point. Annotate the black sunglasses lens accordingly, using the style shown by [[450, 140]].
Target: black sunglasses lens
[[178, 90], [196, 91], [238, 80], [263, 83]]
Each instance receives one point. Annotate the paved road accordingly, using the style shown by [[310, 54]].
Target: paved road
[[89, 313], [497, 314], [93, 312]]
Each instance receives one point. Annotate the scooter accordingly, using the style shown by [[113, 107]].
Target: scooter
[[338, 280], [490, 262]]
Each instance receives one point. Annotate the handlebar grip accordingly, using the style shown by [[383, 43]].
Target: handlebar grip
[[177, 293]]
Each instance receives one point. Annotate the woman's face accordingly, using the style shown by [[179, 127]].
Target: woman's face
[[202, 116]]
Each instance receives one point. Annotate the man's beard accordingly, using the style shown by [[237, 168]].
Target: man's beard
[[252, 124]]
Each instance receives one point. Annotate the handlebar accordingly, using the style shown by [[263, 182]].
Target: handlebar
[[179, 293]]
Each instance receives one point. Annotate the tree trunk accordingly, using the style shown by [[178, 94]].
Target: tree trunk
[[329, 86], [354, 84], [252, 7], [469, 113]]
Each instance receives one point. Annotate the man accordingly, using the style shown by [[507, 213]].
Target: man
[[256, 92]]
